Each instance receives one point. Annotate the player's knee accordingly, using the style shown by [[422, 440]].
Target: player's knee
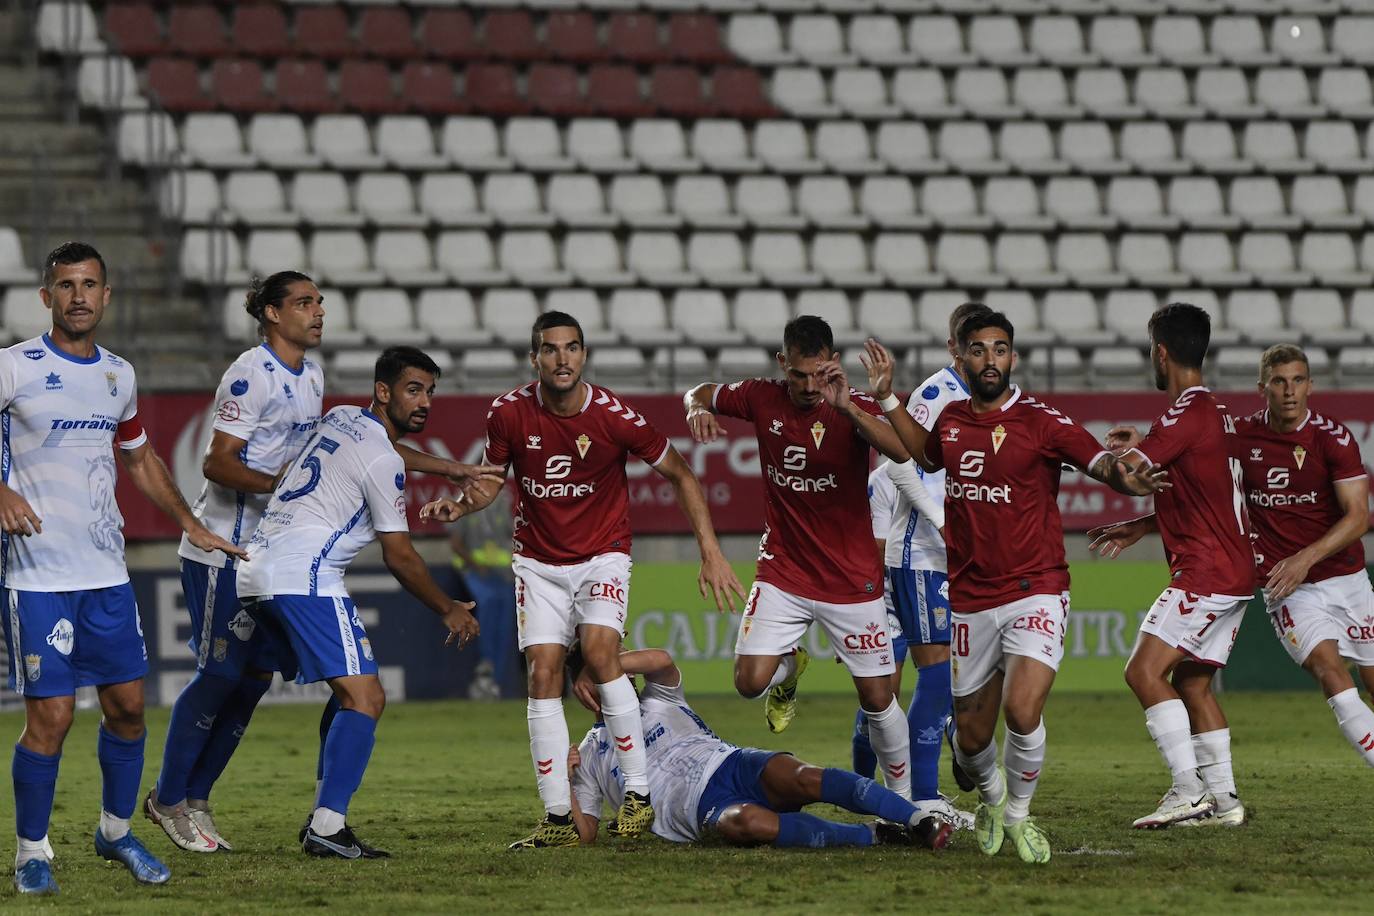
[[1021, 717], [46, 729], [742, 825], [749, 685], [875, 694]]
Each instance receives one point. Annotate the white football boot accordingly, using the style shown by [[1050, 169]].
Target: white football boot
[[1174, 808]]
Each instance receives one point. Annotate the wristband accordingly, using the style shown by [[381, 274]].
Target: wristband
[[889, 403]]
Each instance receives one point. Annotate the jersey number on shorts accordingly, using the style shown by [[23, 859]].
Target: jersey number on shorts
[[961, 640], [311, 464]]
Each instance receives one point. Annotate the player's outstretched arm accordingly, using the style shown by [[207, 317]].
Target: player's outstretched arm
[[474, 498], [224, 466], [464, 475], [1134, 479], [910, 485], [154, 481], [878, 361], [399, 555], [587, 824], [1290, 572], [834, 387], [1109, 540], [701, 413], [716, 575]]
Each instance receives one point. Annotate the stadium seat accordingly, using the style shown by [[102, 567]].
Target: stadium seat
[[1029, 148], [513, 200], [1211, 147], [966, 258], [1318, 315], [826, 201], [1059, 368], [571, 35], [175, 84], [1102, 92], [742, 362], [966, 146], [344, 142], [448, 34], [1024, 258], [642, 317], [834, 308], [844, 147], [1346, 92], [271, 250], [1334, 147], [938, 39], [388, 200], [303, 86], [780, 258], [509, 35], [738, 92], [878, 40], [110, 83], [323, 31], [1256, 313], [509, 313], [1149, 146], [493, 88], [934, 307], [904, 259], [473, 144], [1043, 93], [450, 199], [614, 91], [889, 316], [623, 369], [406, 258], [1320, 201], [862, 93], [1148, 259], [1258, 201], [1116, 367], [1207, 256], [1225, 93], [494, 369], [365, 86], [703, 202], [1087, 147], [1119, 40], [387, 32], [594, 259], [321, 199], [575, 200], [641, 202], [1273, 146], [722, 146], [1237, 368], [340, 257], [257, 199], [660, 146], [696, 38], [890, 203], [429, 88], [757, 38], [68, 28], [818, 40], [1125, 312], [1179, 40], [1238, 40], [191, 197], [801, 91], [597, 145], [1301, 40], [408, 143], [1086, 258], [703, 317], [134, 29], [1059, 40], [634, 36], [1075, 204], [842, 259], [1269, 255], [259, 30], [1209, 302], [553, 89], [718, 259], [1197, 201], [657, 258], [982, 92], [677, 91], [238, 86], [1330, 257], [385, 316], [536, 144], [952, 202], [469, 258], [765, 201], [997, 40], [147, 138], [449, 317], [759, 313], [1014, 203], [197, 30], [905, 147], [922, 93]]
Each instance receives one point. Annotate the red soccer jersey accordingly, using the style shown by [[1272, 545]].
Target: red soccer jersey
[[1202, 518], [817, 535], [1006, 540], [1289, 481], [573, 500]]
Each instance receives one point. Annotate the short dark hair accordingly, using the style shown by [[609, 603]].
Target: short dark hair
[[1279, 355], [808, 335], [960, 313], [553, 320], [70, 253], [1184, 330], [396, 360], [977, 321], [271, 291]]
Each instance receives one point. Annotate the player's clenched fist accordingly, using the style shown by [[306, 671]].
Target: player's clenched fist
[[17, 516], [442, 509], [462, 626]]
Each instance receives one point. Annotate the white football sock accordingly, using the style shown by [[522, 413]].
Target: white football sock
[[1356, 721], [1213, 752], [326, 822], [890, 738], [1023, 756], [113, 828], [983, 767], [620, 711], [549, 749], [1168, 724], [787, 666], [30, 849]]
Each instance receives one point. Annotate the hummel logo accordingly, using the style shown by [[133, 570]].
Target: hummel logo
[[1367, 742], [625, 743], [534, 443], [776, 428], [898, 770], [545, 767]]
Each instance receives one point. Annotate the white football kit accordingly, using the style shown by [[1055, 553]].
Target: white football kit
[[345, 487], [274, 409], [683, 754]]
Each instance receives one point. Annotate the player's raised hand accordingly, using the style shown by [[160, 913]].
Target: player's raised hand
[[1121, 438], [1143, 479], [586, 692], [442, 509], [574, 759], [719, 577], [703, 424], [1288, 574], [462, 626], [1109, 540], [878, 362], [833, 383], [207, 540], [17, 516]]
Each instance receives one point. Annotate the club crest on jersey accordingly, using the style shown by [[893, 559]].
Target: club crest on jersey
[[366, 645], [33, 667], [584, 442], [533, 443], [35, 353], [53, 382], [999, 435], [1299, 455], [112, 381], [818, 433]]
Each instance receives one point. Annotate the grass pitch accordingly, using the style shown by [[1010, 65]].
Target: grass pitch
[[450, 785]]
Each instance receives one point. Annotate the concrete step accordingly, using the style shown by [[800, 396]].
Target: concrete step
[[69, 166]]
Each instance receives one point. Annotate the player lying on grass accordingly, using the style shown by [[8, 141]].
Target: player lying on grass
[[747, 796]]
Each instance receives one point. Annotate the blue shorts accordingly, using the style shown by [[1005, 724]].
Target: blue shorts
[[60, 641], [737, 781], [225, 638], [314, 637], [921, 597]]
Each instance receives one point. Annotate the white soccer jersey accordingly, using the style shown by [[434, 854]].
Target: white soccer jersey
[[345, 487], [683, 754], [274, 409], [882, 500], [60, 418], [914, 541]]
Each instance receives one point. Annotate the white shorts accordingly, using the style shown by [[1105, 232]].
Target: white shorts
[[1202, 626], [1033, 627], [775, 622], [551, 602], [1340, 608]]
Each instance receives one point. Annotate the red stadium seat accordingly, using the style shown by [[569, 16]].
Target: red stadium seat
[[176, 85], [695, 37], [634, 37], [197, 30], [492, 88], [509, 35], [449, 35], [322, 31], [613, 90], [386, 31], [237, 86], [738, 92], [429, 88], [677, 91], [134, 29], [553, 90], [572, 36], [260, 30], [302, 85], [365, 86]]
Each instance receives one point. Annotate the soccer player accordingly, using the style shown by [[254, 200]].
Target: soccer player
[[267, 406], [816, 559], [744, 795], [71, 620], [567, 442], [1188, 634], [1009, 582], [345, 489]]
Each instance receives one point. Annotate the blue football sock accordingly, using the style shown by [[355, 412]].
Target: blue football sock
[[861, 752], [800, 829], [121, 770], [193, 720], [863, 796], [35, 781], [331, 709], [346, 752], [926, 725], [230, 725]]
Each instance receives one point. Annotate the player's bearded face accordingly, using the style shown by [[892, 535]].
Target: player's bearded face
[[408, 407], [988, 359], [560, 359], [1287, 390], [300, 317], [803, 383], [77, 297], [1157, 361]]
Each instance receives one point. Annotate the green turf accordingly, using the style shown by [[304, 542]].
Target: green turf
[[450, 785]]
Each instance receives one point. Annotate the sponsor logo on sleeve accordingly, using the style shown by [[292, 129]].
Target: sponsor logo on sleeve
[[36, 353], [238, 387], [401, 481], [229, 411], [930, 392]]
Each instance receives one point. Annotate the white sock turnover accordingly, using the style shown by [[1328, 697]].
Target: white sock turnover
[[1356, 721], [1023, 756], [1169, 726]]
